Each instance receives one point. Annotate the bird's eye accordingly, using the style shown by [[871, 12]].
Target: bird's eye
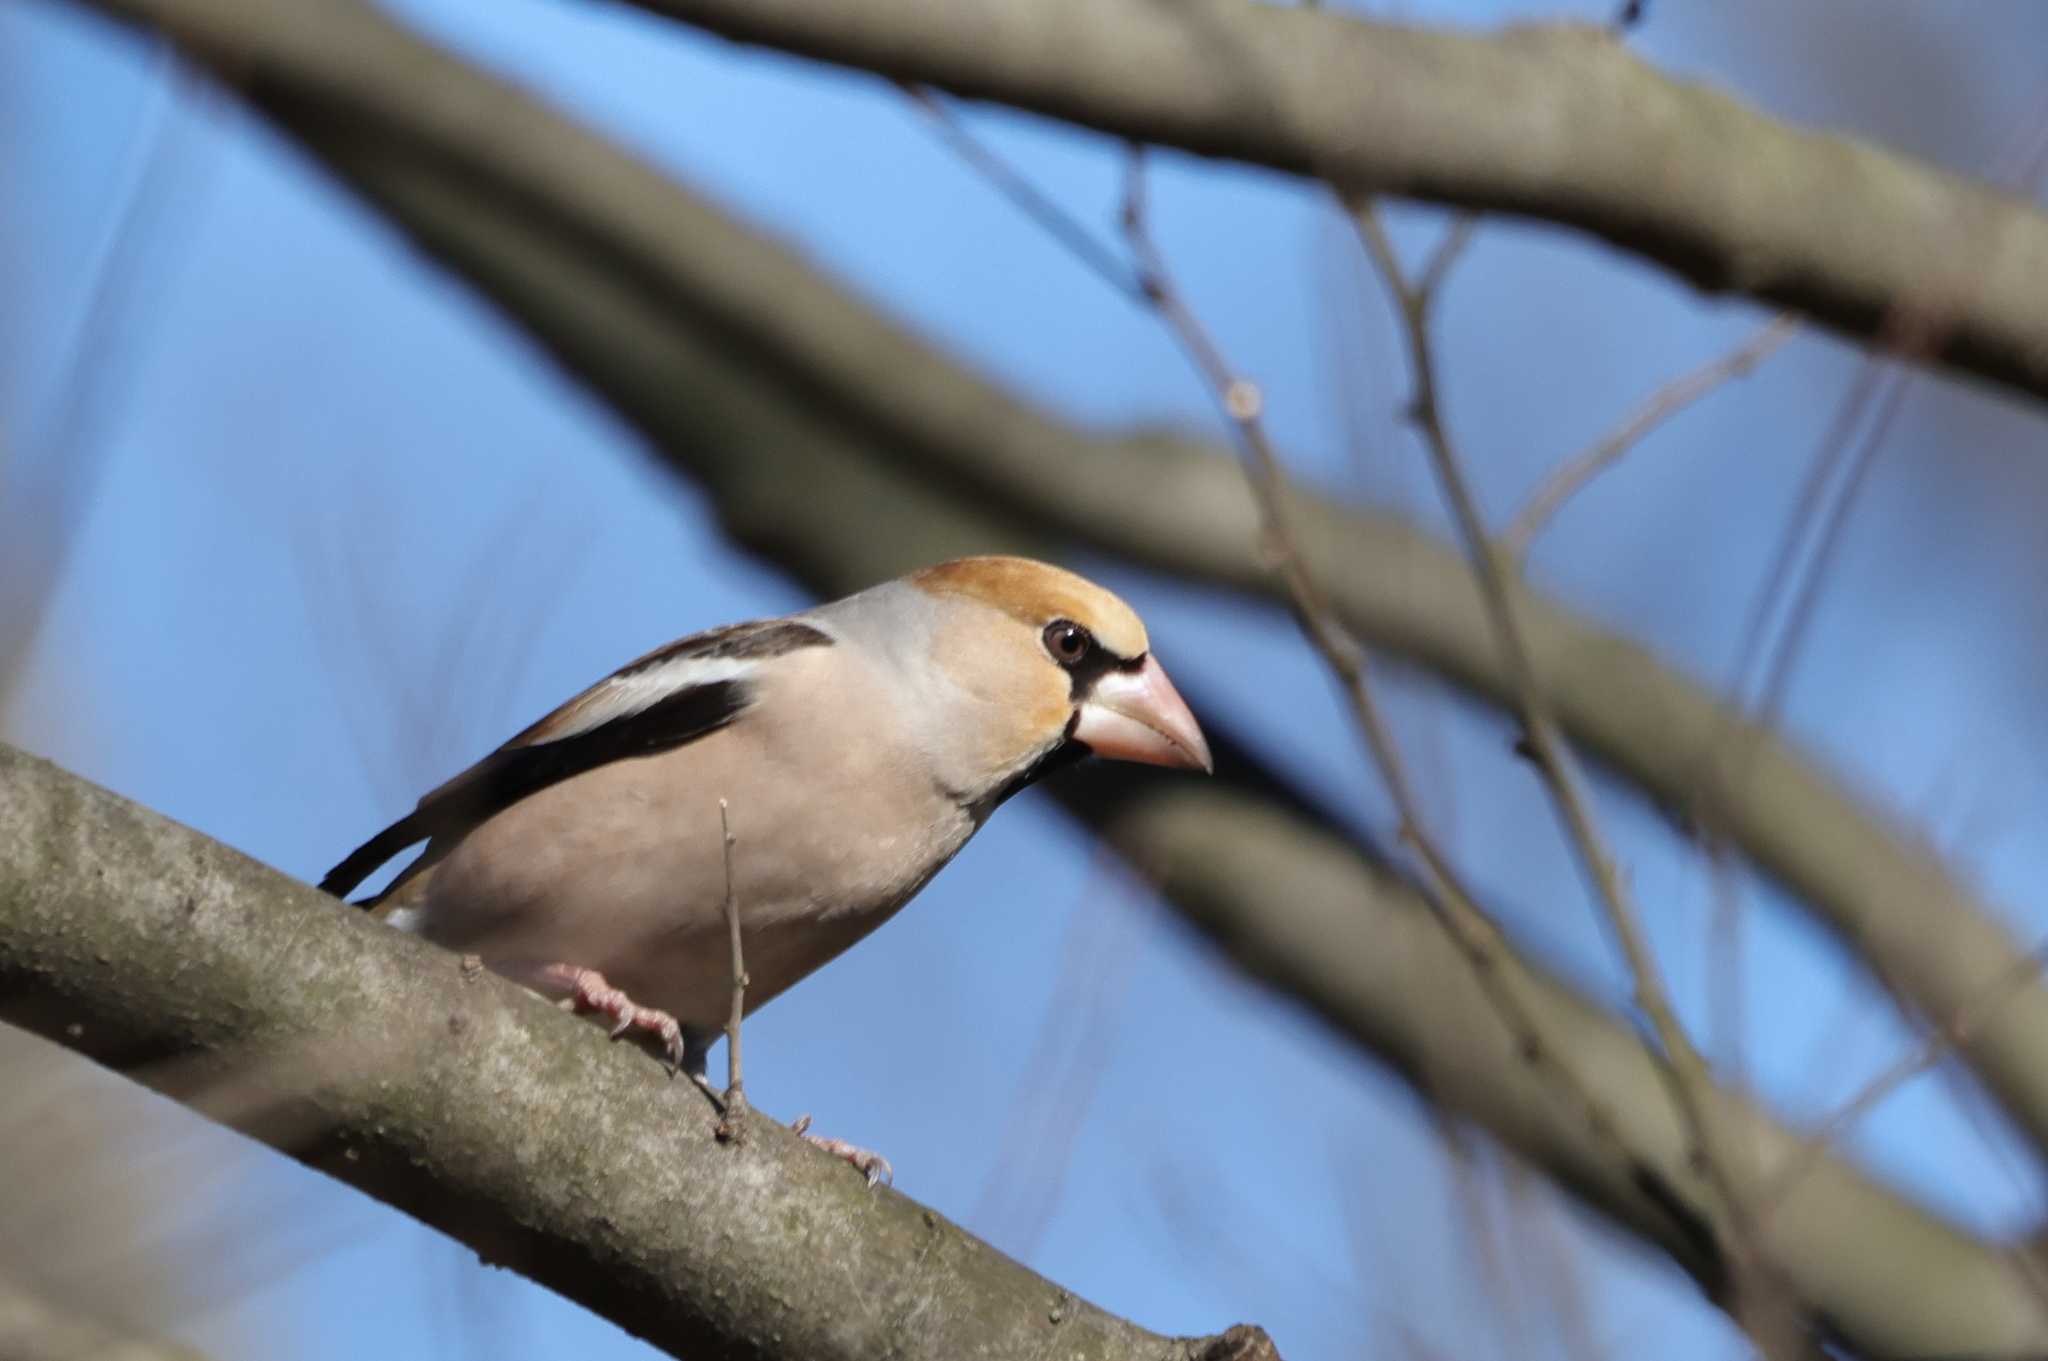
[[1067, 641]]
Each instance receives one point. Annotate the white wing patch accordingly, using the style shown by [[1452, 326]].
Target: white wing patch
[[635, 691]]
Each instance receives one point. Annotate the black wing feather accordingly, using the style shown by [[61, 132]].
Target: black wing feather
[[532, 761], [512, 772]]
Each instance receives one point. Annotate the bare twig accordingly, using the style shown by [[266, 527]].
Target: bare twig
[[1449, 248], [1690, 1081], [1471, 929], [1799, 564], [1937, 1044], [1572, 476], [735, 1112], [1915, 325]]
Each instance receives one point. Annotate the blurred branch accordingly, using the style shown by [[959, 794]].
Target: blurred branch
[[484, 1111], [32, 1330], [54, 464], [1557, 123], [751, 373]]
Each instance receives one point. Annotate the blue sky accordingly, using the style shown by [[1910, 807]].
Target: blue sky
[[345, 529]]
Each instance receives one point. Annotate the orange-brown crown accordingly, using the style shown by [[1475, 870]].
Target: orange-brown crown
[[1037, 593]]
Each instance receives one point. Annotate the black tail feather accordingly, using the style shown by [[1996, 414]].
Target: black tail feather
[[363, 861]]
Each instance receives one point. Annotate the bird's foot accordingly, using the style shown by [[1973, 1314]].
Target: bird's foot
[[867, 1162], [589, 993]]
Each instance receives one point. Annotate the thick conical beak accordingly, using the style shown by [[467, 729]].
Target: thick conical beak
[[1139, 716]]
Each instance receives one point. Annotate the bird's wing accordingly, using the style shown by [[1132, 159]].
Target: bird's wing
[[664, 700]]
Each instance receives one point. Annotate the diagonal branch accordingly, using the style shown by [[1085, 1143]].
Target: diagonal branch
[[1561, 124], [484, 1111], [669, 309]]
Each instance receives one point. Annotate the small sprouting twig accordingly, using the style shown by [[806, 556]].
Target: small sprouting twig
[[1572, 476], [735, 1109]]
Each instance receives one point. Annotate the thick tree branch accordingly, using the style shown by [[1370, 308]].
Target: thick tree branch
[[1560, 124], [466, 1102], [479, 1108]]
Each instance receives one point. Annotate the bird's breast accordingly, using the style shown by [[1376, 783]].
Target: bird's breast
[[623, 869]]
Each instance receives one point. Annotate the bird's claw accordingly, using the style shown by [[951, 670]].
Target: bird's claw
[[591, 993], [867, 1162]]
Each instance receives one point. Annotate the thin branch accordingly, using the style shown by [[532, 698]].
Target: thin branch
[[1940, 1041], [1478, 938], [1572, 476], [1028, 198], [1914, 325], [1807, 584], [1444, 256], [1554, 761]]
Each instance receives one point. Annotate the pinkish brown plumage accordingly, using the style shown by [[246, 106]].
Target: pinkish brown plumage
[[857, 746]]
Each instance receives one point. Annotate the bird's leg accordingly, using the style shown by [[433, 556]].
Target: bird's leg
[[588, 992], [869, 1163], [735, 1089]]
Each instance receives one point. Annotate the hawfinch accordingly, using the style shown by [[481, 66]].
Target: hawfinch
[[856, 747]]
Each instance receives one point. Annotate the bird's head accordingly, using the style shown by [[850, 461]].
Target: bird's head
[[1039, 666]]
